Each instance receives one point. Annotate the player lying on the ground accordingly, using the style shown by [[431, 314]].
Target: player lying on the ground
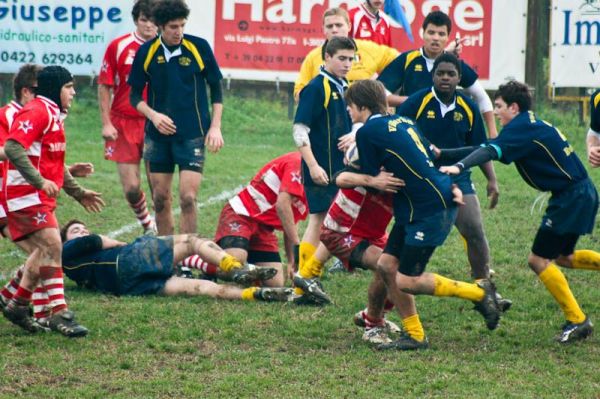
[[146, 266]]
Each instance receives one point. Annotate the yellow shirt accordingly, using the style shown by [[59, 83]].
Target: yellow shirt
[[371, 59]]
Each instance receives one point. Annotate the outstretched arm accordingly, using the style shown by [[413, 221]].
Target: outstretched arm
[[477, 157], [384, 181]]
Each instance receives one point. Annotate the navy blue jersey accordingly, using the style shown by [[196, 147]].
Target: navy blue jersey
[[409, 73], [85, 262], [541, 153], [177, 87], [322, 108], [460, 127], [595, 111], [394, 142]]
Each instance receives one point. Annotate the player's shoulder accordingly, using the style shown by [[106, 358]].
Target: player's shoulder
[[197, 41], [464, 100], [595, 99]]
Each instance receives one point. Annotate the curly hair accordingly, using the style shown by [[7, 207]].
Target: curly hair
[[515, 92], [169, 10]]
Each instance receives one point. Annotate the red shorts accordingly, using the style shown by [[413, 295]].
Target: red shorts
[[260, 236], [341, 245], [129, 145], [29, 220]]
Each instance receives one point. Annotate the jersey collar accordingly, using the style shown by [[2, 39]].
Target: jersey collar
[[340, 84], [15, 105], [168, 53], [444, 109]]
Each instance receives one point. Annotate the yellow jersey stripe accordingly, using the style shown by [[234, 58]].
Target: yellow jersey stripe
[[467, 109], [554, 160], [80, 265], [153, 48], [404, 162], [410, 57], [437, 191], [327, 90], [522, 169], [424, 103], [596, 100], [192, 48]]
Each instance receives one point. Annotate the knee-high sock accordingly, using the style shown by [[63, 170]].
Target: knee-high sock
[[229, 263], [586, 259], [447, 287], [413, 327], [306, 251], [140, 208], [41, 303], [196, 262], [312, 268], [557, 284], [12, 286], [52, 282]]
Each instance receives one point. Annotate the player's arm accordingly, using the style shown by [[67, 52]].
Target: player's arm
[[384, 181], [317, 173], [477, 92], [104, 101], [480, 156], [283, 206], [90, 200], [593, 147], [16, 154], [162, 122], [108, 242], [214, 138], [492, 183]]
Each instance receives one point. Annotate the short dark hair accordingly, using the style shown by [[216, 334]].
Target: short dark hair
[[142, 7], [26, 76], [63, 230], [338, 43], [438, 18], [336, 12], [449, 58], [169, 10], [515, 92], [368, 94]]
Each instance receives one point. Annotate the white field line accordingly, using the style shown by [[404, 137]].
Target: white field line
[[211, 200]]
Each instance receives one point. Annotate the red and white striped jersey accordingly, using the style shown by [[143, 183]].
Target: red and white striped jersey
[[7, 115], [116, 66], [39, 128], [359, 212], [257, 200], [368, 26]]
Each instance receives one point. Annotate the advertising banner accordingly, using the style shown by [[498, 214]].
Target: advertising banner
[[71, 33], [575, 43]]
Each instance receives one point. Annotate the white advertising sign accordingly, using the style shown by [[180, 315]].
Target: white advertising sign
[[575, 43], [71, 33]]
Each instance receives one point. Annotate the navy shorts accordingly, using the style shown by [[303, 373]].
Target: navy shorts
[[164, 155], [319, 198], [145, 265], [464, 183], [572, 211]]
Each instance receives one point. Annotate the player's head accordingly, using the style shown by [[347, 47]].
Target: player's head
[[365, 98], [339, 55], [142, 13], [170, 16], [25, 82], [56, 83], [73, 229], [336, 22], [446, 73], [510, 100], [436, 30], [375, 4]]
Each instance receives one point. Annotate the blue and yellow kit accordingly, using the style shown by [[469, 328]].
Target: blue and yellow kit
[[177, 84], [595, 111], [409, 73], [394, 142], [541, 153], [322, 108]]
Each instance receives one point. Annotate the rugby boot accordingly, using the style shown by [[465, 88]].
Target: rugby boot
[[488, 307], [273, 294], [376, 335], [575, 331], [250, 274], [20, 314], [359, 320], [64, 323], [404, 343], [312, 289]]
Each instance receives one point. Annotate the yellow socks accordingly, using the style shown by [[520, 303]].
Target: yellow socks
[[413, 327], [248, 293], [446, 287], [229, 262], [307, 250], [557, 284], [586, 259], [312, 268]]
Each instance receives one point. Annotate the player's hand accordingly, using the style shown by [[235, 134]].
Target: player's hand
[[492, 193], [50, 188], [346, 140], [109, 133], [385, 181], [450, 170], [81, 169], [163, 124], [92, 201], [594, 156], [436, 151], [318, 175], [457, 195], [214, 140], [456, 46]]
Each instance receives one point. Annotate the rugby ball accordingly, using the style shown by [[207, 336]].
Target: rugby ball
[[351, 157]]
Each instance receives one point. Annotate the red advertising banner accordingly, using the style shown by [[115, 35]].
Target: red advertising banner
[[276, 35]]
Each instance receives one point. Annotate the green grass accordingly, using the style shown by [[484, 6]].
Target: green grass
[[201, 347]]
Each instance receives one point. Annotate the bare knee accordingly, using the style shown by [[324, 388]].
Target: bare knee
[[162, 201], [187, 202], [133, 194]]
